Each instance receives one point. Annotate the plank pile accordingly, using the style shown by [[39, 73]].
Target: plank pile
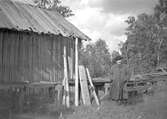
[[143, 82], [151, 77], [87, 90]]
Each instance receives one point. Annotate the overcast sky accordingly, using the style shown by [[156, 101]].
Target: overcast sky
[[105, 18]]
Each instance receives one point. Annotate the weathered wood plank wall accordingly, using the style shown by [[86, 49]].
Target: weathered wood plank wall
[[32, 57]]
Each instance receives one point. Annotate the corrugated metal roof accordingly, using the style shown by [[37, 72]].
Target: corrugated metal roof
[[19, 16]]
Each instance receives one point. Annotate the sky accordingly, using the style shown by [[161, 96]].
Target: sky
[[105, 19]]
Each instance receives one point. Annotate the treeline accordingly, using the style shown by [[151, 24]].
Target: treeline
[[56, 5], [97, 58], [146, 46], [144, 50]]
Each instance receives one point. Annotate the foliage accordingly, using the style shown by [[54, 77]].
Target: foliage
[[97, 58], [146, 43], [54, 5]]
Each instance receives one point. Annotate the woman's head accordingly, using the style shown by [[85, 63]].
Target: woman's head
[[118, 59]]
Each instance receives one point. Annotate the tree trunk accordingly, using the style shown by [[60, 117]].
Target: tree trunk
[[158, 53]]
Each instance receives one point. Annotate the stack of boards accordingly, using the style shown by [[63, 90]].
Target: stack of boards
[[87, 88], [84, 77]]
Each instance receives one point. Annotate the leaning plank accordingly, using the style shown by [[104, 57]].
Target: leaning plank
[[84, 86], [66, 84], [92, 87]]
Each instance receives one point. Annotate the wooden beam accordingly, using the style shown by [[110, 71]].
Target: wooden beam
[[70, 66], [92, 87], [66, 79], [72, 63], [76, 74], [84, 85]]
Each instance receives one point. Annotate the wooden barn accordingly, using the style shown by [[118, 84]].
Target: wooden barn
[[33, 42]]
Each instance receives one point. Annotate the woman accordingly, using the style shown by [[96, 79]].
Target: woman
[[119, 75]]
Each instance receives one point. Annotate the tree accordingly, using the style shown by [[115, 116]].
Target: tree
[[145, 47], [160, 13], [97, 58], [139, 49], [54, 5]]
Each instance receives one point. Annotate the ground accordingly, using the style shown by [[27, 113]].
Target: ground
[[148, 106]]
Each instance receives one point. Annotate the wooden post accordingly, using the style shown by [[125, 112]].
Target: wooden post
[[70, 66], [76, 73], [72, 59], [66, 84], [21, 100]]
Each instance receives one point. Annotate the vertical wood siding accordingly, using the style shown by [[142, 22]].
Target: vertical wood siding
[[32, 57]]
